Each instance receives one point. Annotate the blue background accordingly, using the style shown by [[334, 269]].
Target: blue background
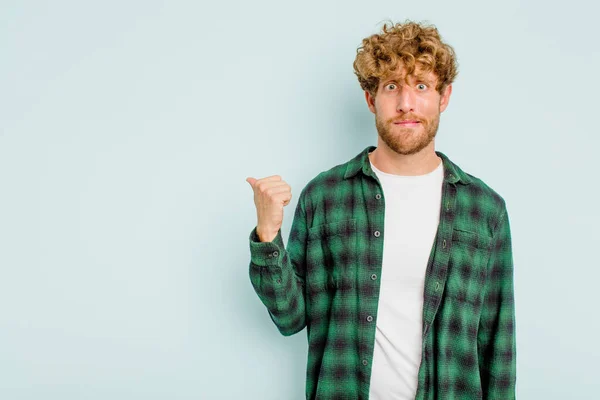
[[128, 128]]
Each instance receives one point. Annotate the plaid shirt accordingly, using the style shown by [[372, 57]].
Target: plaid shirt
[[327, 280]]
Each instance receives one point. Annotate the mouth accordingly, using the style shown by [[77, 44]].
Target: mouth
[[407, 123]]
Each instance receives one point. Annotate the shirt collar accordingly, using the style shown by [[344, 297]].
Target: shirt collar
[[452, 172]]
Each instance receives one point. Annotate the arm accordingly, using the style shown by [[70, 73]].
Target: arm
[[277, 274], [496, 335]]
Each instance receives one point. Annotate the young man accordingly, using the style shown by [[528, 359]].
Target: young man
[[398, 263]]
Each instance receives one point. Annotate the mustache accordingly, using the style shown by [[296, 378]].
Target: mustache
[[405, 117]]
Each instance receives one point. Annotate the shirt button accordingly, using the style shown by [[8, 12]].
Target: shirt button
[[364, 362], [373, 276], [437, 286], [378, 196], [376, 233], [275, 253], [278, 280], [444, 243], [369, 319]]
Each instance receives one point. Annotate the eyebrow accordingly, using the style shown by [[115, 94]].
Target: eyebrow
[[423, 78], [418, 78]]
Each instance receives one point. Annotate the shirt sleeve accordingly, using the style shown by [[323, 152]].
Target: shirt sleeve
[[278, 274], [496, 334]]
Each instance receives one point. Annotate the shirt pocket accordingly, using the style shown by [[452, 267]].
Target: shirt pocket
[[331, 251], [467, 268]]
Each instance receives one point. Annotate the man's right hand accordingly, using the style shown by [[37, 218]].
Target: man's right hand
[[271, 194]]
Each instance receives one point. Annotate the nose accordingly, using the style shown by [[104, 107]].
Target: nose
[[406, 101]]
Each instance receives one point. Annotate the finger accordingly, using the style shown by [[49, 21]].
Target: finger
[[266, 186], [251, 181], [273, 184], [287, 201], [274, 190], [272, 178]]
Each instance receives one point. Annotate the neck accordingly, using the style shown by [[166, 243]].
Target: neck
[[421, 163]]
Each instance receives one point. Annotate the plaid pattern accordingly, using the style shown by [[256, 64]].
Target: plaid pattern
[[327, 279]]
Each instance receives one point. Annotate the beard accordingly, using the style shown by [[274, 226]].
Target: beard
[[405, 140]]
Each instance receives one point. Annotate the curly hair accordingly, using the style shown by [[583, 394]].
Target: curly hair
[[410, 44]]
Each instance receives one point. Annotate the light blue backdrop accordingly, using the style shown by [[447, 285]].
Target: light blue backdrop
[[128, 128]]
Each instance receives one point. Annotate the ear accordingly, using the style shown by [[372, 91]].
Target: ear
[[370, 101], [445, 98]]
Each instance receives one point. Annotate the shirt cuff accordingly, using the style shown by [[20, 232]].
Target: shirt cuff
[[266, 253]]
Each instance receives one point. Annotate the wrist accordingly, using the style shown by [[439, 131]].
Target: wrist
[[265, 234]]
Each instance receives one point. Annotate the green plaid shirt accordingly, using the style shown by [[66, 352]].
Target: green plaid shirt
[[327, 280]]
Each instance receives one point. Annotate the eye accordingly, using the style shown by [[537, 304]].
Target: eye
[[422, 86], [390, 86]]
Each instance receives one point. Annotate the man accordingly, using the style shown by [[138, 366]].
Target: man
[[398, 263]]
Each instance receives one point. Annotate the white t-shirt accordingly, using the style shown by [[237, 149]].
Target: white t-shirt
[[412, 213]]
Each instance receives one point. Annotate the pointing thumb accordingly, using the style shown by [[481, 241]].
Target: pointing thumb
[[251, 181]]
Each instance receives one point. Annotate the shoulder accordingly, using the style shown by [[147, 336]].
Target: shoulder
[[472, 187], [326, 184], [485, 192], [329, 190], [478, 205], [481, 204]]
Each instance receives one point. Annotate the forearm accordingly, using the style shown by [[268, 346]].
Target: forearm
[[276, 284]]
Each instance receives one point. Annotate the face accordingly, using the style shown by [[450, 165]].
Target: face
[[407, 110]]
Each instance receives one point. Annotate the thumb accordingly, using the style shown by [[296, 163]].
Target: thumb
[[251, 181]]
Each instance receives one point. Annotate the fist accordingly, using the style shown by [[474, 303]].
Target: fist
[[271, 194]]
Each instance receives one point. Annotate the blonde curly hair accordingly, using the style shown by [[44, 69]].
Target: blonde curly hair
[[413, 45]]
